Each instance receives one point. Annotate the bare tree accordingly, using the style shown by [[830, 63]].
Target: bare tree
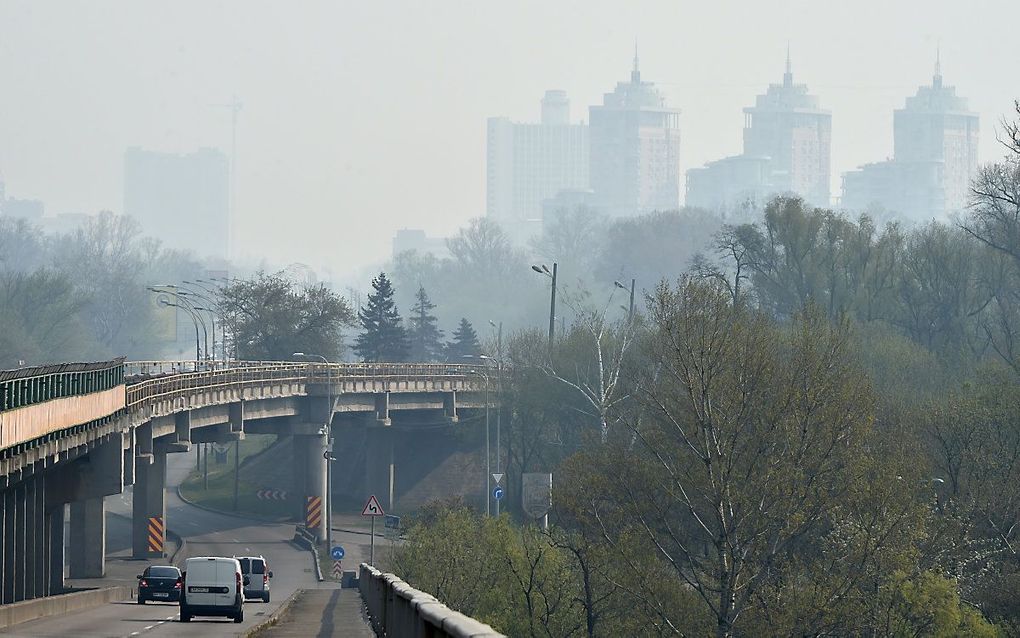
[[597, 366]]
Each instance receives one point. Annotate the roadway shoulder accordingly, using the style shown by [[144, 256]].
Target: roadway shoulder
[[331, 612]]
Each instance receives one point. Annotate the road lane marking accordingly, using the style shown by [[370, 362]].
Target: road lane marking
[[148, 628]]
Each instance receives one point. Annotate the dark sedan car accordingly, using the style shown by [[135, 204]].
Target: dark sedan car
[[159, 582]]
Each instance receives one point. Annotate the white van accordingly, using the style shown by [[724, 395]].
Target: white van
[[258, 573], [212, 586]]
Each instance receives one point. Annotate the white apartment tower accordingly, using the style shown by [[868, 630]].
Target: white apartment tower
[[935, 157], [787, 150], [635, 149], [527, 163]]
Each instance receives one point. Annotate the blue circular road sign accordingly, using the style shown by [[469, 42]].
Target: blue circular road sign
[[337, 553], [497, 493]]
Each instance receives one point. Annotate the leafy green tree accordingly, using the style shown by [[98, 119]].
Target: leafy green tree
[[384, 337], [465, 343], [655, 246], [269, 317], [425, 337], [753, 434], [41, 320], [572, 237]]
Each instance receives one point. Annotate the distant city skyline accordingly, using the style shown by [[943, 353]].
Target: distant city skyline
[[377, 111], [180, 199]]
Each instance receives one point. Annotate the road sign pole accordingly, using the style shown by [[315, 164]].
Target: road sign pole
[[371, 551]]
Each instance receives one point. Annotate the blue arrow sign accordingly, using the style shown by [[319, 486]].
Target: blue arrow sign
[[337, 553], [497, 493]]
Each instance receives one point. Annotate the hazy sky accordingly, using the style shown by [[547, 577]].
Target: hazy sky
[[364, 117]]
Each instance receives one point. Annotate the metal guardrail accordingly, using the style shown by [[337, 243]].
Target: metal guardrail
[[397, 609], [164, 383]]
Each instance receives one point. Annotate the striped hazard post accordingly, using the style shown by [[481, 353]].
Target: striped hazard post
[[313, 513], [157, 534]]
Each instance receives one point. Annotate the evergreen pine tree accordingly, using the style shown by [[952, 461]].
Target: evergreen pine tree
[[425, 336], [465, 343], [384, 337]]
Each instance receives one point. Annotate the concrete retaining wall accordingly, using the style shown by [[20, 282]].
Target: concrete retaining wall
[[397, 609], [17, 613]]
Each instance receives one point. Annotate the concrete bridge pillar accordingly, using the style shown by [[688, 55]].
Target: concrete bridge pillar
[[450, 406], [88, 538], [147, 503], [18, 575], [310, 481], [236, 416], [32, 529], [42, 536], [10, 526], [55, 550], [182, 426]]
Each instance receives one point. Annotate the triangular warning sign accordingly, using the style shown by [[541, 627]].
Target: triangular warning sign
[[373, 508], [497, 477]]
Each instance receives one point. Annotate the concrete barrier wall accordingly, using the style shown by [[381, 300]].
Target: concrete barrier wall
[[397, 609], [17, 613]]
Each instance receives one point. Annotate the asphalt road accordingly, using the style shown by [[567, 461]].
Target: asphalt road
[[205, 533]]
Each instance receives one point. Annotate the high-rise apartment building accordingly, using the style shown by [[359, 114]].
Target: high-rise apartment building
[[787, 149], [935, 157], [182, 200], [527, 163], [635, 149]]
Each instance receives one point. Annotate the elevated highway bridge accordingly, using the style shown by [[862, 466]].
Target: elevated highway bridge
[[78, 433]]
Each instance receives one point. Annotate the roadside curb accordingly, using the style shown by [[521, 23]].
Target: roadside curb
[[247, 517], [275, 616], [23, 611]]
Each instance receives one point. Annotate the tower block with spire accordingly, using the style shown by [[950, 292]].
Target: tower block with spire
[[788, 126], [935, 142], [635, 149], [937, 127]]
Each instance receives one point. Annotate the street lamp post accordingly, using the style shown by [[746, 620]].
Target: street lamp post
[[213, 304], [630, 311], [544, 270], [329, 448], [182, 297], [194, 320]]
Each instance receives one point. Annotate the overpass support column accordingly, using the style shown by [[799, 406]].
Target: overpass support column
[[10, 553], [310, 477], [18, 576], [148, 506], [379, 465], [32, 535], [88, 538], [182, 426], [55, 553]]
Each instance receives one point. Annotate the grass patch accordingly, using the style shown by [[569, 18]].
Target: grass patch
[[219, 492]]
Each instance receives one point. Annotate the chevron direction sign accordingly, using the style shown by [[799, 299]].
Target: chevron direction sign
[[272, 495]]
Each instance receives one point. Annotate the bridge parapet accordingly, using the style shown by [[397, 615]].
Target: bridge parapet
[[397, 609], [161, 388]]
